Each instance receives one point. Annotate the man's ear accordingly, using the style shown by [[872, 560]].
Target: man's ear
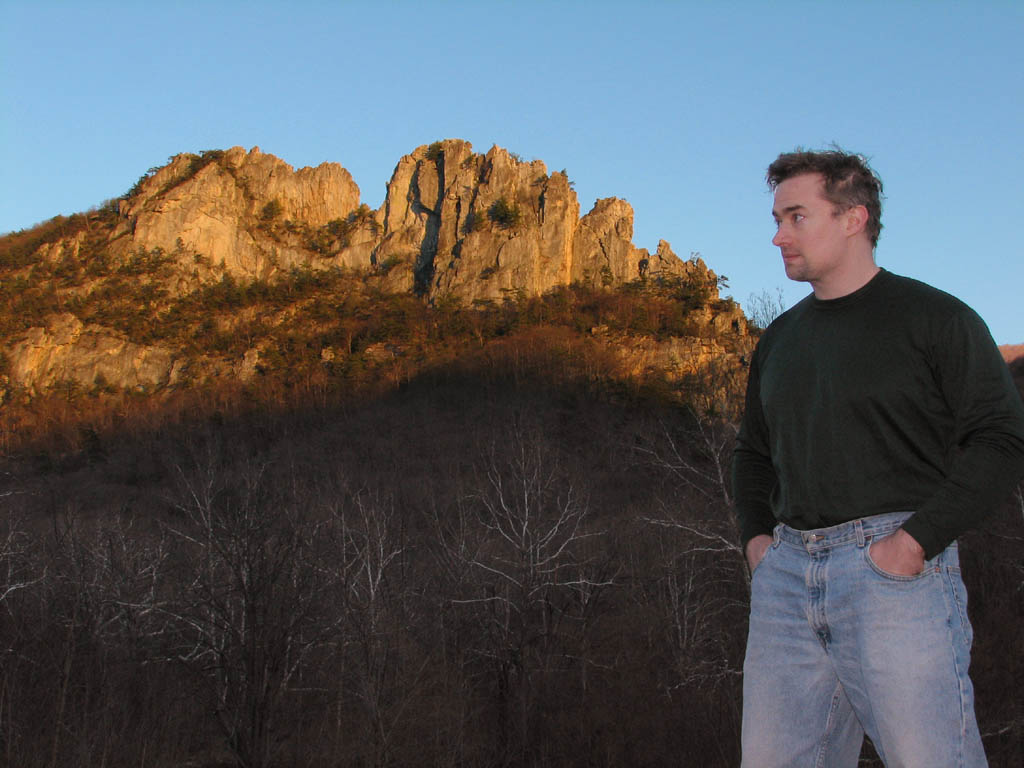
[[855, 219]]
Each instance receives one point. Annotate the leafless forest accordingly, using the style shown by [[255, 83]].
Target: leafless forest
[[493, 568]]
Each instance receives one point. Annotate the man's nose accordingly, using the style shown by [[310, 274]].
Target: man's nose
[[779, 238]]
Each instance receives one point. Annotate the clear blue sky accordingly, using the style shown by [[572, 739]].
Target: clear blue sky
[[677, 107]]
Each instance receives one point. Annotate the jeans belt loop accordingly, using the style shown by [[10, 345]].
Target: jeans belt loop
[[775, 536], [858, 526]]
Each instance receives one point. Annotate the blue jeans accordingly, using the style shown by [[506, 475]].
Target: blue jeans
[[838, 647]]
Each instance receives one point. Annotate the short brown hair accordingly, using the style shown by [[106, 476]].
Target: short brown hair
[[849, 181]]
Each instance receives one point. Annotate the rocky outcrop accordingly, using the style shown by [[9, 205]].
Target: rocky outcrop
[[478, 226], [229, 208], [454, 224], [89, 356], [483, 226]]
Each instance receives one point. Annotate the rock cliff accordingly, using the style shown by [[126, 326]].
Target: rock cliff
[[226, 209], [476, 227], [65, 351], [455, 225]]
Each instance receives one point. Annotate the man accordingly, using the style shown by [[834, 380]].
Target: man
[[880, 424]]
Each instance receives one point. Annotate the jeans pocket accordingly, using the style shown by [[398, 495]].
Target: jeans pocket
[[764, 557], [896, 577]]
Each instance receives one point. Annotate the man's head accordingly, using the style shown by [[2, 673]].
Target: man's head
[[848, 181], [825, 229]]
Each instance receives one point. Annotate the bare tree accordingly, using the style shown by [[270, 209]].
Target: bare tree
[[21, 570], [697, 456], [525, 547], [371, 558], [702, 597], [249, 611], [16, 566], [764, 307]]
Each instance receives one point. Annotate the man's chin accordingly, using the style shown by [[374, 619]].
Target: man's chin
[[794, 273]]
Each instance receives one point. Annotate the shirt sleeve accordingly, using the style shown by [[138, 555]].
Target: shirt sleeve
[[989, 453], [753, 475]]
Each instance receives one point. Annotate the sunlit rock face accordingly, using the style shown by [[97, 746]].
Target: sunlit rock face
[[454, 225], [66, 351], [220, 212], [485, 226]]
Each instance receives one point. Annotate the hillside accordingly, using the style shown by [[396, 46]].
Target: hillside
[[229, 244], [352, 487], [507, 561], [231, 270]]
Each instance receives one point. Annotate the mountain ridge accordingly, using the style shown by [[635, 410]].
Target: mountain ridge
[[214, 262]]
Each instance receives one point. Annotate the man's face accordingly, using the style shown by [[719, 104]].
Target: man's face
[[810, 234]]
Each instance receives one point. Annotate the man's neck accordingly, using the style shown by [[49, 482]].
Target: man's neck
[[856, 276]]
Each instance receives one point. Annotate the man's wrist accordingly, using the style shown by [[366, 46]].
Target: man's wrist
[[907, 540]]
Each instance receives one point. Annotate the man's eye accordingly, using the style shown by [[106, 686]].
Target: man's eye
[[798, 217]]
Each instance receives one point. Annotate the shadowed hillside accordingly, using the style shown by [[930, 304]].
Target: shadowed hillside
[[503, 561]]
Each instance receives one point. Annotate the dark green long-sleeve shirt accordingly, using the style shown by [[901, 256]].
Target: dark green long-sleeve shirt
[[893, 398]]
